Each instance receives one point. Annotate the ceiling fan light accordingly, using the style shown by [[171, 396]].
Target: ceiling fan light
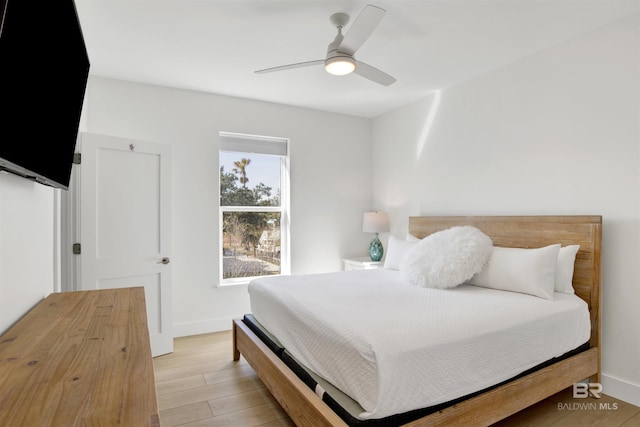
[[340, 65]]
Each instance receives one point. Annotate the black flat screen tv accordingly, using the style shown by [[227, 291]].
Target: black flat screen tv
[[44, 67]]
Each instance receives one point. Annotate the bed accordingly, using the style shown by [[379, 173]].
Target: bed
[[305, 407]]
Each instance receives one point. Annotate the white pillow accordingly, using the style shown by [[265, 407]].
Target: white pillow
[[564, 269], [447, 258], [397, 251], [412, 238], [528, 271]]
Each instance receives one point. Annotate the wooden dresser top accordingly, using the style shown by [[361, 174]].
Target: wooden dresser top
[[79, 358]]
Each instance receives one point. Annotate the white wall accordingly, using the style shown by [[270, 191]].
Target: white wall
[[26, 246], [330, 183], [557, 132]]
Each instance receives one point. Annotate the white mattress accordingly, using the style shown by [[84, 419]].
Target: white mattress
[[394, 347]]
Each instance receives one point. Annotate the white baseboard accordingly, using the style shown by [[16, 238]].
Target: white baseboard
[[621, 389], [202, 327]]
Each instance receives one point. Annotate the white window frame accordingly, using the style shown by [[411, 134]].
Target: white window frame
[[258, 144]]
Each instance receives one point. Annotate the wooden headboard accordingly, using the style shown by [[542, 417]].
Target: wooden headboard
[[535, 232]]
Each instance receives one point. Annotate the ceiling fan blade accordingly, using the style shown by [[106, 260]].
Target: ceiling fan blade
[[290, 66], [373, 74], [361, 28]]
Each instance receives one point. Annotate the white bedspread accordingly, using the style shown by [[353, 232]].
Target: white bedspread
[[394, 347]]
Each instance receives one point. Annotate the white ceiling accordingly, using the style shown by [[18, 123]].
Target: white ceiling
[[215, 46]]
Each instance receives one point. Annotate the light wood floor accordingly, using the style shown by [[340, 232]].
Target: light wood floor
[[200, 385]]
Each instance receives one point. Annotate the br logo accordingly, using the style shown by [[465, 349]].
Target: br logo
[[583, 390]]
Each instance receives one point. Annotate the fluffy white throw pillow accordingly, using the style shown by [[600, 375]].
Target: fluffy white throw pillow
[[447, 258]]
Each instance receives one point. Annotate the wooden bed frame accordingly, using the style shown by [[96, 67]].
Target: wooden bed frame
[[307, 409]]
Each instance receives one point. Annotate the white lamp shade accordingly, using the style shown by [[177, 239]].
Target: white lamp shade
[[375, 222]]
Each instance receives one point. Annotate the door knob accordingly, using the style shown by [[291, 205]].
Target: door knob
[[164, 261]]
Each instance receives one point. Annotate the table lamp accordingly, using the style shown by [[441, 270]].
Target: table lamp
[[375, 222]]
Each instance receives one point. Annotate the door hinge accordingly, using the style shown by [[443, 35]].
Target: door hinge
[[76, 248], [77, 158]]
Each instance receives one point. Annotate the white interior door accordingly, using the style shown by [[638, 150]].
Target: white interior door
[[125, 219]]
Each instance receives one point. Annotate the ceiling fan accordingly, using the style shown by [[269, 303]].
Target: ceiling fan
[[340, 59]]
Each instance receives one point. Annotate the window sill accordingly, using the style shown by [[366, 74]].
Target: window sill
[[242, 281], [234, 283]]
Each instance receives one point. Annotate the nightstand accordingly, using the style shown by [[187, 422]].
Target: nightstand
[[361, 263]]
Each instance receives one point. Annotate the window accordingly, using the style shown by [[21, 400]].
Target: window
[[254, 218]]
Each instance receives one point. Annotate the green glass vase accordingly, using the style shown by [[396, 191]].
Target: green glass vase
[[375, 248]]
